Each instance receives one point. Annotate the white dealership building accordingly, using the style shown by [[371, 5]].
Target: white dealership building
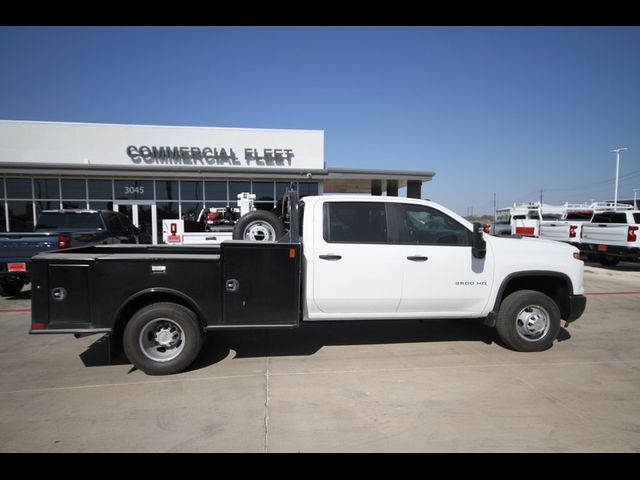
[[152, 172]]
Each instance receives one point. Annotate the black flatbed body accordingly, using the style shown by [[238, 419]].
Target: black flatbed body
[[237, 284]]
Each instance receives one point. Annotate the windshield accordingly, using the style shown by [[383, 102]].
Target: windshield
[[66, 221]]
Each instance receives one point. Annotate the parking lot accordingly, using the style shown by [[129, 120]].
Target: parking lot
[[382, 386]]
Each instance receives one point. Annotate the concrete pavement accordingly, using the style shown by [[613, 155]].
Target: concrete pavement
[[365, 387]]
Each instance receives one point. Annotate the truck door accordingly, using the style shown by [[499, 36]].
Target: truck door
[[441, 277], [355, 270]]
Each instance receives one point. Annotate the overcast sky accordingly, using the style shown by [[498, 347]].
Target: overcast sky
[[504, 110]]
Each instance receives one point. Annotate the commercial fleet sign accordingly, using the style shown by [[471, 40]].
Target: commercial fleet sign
[[157, 147], [251, 157]]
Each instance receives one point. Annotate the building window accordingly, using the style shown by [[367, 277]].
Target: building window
[[165, 210], [47, 188], [100, 205], [264, 191], [133, 189], [19, 188], [190, 190], [74, 204], [190, 210], [100, 190], [235, 188], [3, 217], [166, 190], [282, 188], [215, 191], [46, 205], [74, 190], [20, 215], [305, 189]]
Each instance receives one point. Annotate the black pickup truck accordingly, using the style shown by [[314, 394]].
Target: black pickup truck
[[59, 230]]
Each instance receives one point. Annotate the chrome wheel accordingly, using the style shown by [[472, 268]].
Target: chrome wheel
[[532, 323], [260, 231], [161, 340]]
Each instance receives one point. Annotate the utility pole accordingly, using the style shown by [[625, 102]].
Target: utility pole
[[617, 152], [635, 205], [541, 197], [494, 207]]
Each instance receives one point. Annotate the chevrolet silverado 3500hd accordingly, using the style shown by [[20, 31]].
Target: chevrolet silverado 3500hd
[[342, 258]]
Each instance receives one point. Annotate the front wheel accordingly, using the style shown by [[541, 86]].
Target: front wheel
[[163, 338], [528, 321], [259, 225]]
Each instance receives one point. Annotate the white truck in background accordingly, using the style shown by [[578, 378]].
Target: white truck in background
[[612, 236], [560, 223], [523, 218]]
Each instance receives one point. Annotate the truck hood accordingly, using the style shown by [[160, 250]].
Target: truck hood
[[528, 254]]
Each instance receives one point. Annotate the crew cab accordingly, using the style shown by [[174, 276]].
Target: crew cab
[[56, 230], [612, 236], [342, 258]]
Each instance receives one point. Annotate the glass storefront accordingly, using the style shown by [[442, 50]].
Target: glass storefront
[[22, 199]]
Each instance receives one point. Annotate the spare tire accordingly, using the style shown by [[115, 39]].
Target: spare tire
[[259, 225]]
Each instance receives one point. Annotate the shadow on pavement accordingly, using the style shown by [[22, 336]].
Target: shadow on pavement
[[309, 338], [23, 295]]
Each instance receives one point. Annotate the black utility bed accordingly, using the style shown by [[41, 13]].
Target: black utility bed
[[98, 288]]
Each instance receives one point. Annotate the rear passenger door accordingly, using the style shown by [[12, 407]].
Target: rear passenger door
[[356, 274]]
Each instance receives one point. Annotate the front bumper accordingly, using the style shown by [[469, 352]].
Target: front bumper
[[577, 305]]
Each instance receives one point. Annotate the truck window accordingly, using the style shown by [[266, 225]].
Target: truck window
[[602, 218], [579, 215], [426, 226], [355, 222], [610, 217], [636, 217], [64, 221], [619, 218]]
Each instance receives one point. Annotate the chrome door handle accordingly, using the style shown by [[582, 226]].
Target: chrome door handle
[[330, 257], [417, 258]]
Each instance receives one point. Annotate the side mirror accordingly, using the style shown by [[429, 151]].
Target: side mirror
[[478, 243]]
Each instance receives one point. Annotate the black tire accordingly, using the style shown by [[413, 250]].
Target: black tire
[[528, 321], [259, 225], [161, 318], [608, 261], [11, 289]]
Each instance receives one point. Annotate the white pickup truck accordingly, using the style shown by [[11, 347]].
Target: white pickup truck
[[564, 227], [342, 258], [612, 236]]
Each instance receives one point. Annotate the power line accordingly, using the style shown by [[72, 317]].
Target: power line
[[581, 187]]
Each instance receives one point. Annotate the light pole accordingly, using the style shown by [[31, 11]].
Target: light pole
[[617, 151], [635, 205]]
